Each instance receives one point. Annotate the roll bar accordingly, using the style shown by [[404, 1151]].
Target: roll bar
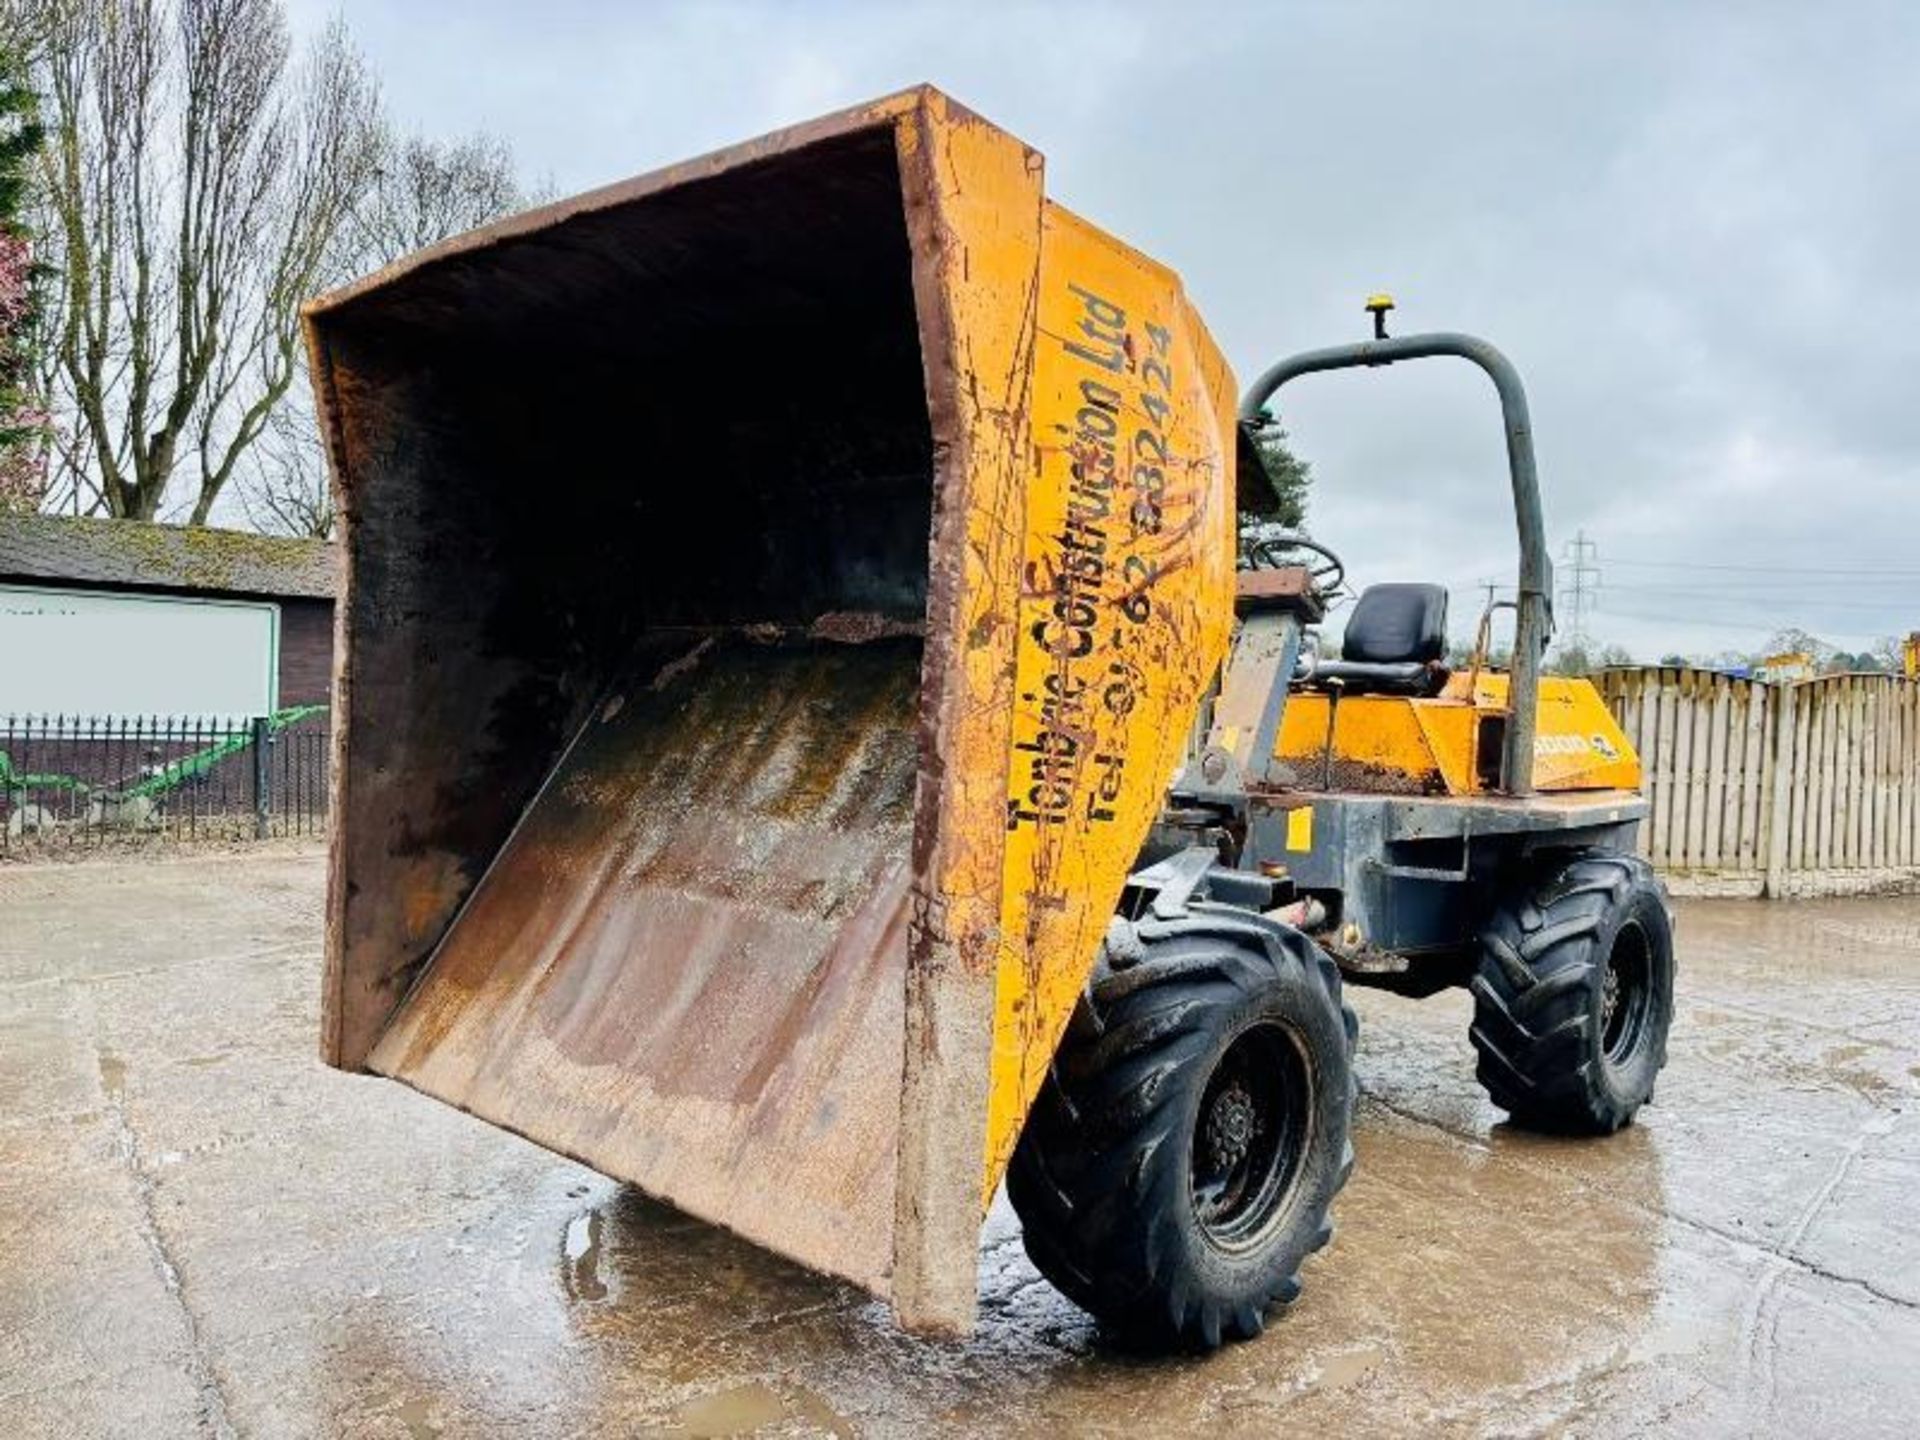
[[1535, 617]]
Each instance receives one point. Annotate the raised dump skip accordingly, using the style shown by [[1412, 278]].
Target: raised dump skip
[[777, 589]]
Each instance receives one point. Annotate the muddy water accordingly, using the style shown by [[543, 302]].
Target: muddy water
[[204, 1232]]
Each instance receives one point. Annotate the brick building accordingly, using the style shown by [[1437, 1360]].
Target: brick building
[[86, 556]]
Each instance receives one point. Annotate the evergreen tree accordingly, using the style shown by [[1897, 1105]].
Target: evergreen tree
[[23, 424], [1289, 474]]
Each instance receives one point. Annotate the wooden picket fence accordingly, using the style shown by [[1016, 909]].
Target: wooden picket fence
[[1809, 788]]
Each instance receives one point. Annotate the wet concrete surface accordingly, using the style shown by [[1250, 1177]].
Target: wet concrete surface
[[205, 1232]]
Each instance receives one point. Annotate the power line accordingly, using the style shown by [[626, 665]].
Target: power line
[[1690, 620], [1762, 569], [1654, 593], [1711, 624], [1900, 583], [1728, 604]]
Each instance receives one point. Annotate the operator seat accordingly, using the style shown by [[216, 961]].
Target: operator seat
[[1396, 643]]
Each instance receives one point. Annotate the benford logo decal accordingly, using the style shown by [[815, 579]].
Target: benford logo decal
[[1576, 745]]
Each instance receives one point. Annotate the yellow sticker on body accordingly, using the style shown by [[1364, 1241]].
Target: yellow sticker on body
[[1300, 829]]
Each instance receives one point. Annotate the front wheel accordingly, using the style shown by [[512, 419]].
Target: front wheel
[[1181, 1159], [1574, 995]]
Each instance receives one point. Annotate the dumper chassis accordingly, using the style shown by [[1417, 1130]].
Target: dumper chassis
[[1183, 1158]]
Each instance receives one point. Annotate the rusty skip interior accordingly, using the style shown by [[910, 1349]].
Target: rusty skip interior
[[638, 504]]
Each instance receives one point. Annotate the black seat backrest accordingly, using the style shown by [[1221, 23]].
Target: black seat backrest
[[1396, 623]]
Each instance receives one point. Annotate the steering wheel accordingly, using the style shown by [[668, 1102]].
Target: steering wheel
[[1265, 547]]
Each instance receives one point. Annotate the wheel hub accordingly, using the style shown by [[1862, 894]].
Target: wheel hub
[[1231, 1128], [1250, 1137], [1624, 989]]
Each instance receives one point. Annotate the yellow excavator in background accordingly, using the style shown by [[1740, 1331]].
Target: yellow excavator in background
[[814, 739]]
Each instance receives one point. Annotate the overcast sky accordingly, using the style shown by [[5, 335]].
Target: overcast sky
[[1692, 227]]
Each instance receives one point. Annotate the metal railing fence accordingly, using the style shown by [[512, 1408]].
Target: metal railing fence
[[95, 780]]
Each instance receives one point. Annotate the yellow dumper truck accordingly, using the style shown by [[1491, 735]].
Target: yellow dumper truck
[[821, 730]]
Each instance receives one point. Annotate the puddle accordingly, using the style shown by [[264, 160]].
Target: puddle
[[738, 1411], [1345, 1367], [580, 1253], [1339, 1370], [113, 1076], [815, 1411], [416, 1416]]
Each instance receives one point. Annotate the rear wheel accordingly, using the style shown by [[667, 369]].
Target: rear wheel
[[1180, 1161], [1574, 995]]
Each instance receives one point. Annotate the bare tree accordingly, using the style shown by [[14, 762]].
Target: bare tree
[[423, 191], [426, 190], [198, 185], [286, 491]]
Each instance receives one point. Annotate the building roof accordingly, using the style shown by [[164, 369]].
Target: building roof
[[82, 550]]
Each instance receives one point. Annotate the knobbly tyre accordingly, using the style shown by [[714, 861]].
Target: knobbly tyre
[[812, 741]]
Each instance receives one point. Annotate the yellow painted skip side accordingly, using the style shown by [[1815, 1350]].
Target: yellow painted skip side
[[1374, 736], [974, 201], [1125, 613], [1577, 745], [1427, 745]]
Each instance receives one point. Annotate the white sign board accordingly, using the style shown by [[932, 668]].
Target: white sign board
[[89, 653]]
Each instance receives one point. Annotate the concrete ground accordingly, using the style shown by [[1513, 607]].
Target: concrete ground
[[202, 1231]]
